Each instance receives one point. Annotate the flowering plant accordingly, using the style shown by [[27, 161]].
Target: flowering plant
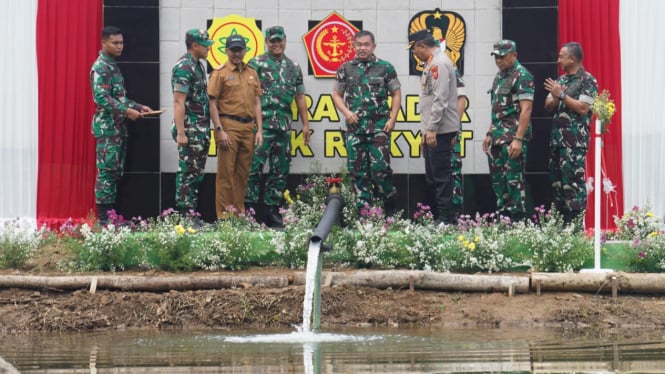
[[604, 109], [636, 223]]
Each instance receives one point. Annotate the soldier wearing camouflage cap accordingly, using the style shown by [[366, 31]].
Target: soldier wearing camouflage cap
[[362, 88], [506, 141], [571, 97], [191, 124], [281, 82], [109, 124]]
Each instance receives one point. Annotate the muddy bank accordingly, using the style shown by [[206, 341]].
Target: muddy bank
[[23, 311]]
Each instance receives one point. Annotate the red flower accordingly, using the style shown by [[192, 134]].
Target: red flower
[[333, 180]]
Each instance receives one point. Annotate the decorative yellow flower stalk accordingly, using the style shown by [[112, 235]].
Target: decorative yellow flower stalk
[[472, 246], [604, 109], [191, 230], [287, 197], [179, 229]]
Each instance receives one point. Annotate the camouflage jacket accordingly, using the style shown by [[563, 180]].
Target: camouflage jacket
[[188, 77], [281, 81], [366, 86], [570, 129], [108, 92], [508, 89]]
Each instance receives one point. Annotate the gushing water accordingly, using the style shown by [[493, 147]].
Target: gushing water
[[310, 274]]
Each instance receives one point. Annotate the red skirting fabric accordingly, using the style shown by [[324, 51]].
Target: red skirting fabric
[[68, 39]]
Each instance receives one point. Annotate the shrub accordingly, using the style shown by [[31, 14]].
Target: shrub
[[649, 253], [18, 241]]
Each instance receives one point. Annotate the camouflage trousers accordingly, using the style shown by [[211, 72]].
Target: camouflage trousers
[[508, 180], [191, 169], [458, 178], [111, 152], [368, 162], [276, 151], [568, 184]]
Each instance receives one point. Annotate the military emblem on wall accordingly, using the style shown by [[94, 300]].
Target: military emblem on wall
[[221, 28], [448, 28], [329, 43]]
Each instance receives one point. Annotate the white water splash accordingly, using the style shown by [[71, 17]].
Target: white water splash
[[310, 274]]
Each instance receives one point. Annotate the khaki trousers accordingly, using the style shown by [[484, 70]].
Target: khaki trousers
[[233, 168]]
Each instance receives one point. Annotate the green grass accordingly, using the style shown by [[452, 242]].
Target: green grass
[[615, 256]]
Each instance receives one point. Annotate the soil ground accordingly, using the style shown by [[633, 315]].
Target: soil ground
[[24, 311]]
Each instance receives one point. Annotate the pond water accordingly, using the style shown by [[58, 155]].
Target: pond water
[[367, 350]]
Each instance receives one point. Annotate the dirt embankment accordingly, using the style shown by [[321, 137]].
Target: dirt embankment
[[255, 307]]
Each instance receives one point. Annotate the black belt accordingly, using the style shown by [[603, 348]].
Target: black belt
[[239, 119]]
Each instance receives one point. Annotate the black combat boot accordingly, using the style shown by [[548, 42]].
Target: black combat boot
[[273, 218], [250, 209], [103, 213], [390, 205]]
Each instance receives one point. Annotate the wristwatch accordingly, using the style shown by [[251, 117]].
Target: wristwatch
[[562, 95]]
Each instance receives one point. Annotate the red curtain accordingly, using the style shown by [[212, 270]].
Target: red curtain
[[68, 38], [595, 24]]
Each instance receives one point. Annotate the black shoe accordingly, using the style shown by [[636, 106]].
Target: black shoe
[[389, 205], [250, 209], [103, 213], [273, 218]]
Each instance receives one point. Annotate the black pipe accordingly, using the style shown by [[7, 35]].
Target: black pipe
[[332, 215]]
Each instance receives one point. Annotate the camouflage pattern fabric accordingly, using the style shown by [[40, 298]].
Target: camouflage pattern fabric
[[368, 162], [109, 126], [568, 184], [110, 158], [276, 150], [508, 89], [188, 77], [569, 143], [108, 90], [281, 81], [191, 170], [507, 175], [456, 157], [458, 178], [367, 86]]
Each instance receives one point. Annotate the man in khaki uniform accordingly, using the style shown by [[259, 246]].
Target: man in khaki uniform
[[236, 90]]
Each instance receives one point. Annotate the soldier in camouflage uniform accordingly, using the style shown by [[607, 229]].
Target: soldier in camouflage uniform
[[506, 141], [362, 88], [571, 96], [191, 125], [281, 83], [458, 178], [109, 125]]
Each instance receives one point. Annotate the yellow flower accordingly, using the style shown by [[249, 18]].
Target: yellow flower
[[604, 108], [191, 230], [287, 197], [472, 246], [649, 214], [460, 238], [465, 243], [653, 233], [179, 229], [476, 239]]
